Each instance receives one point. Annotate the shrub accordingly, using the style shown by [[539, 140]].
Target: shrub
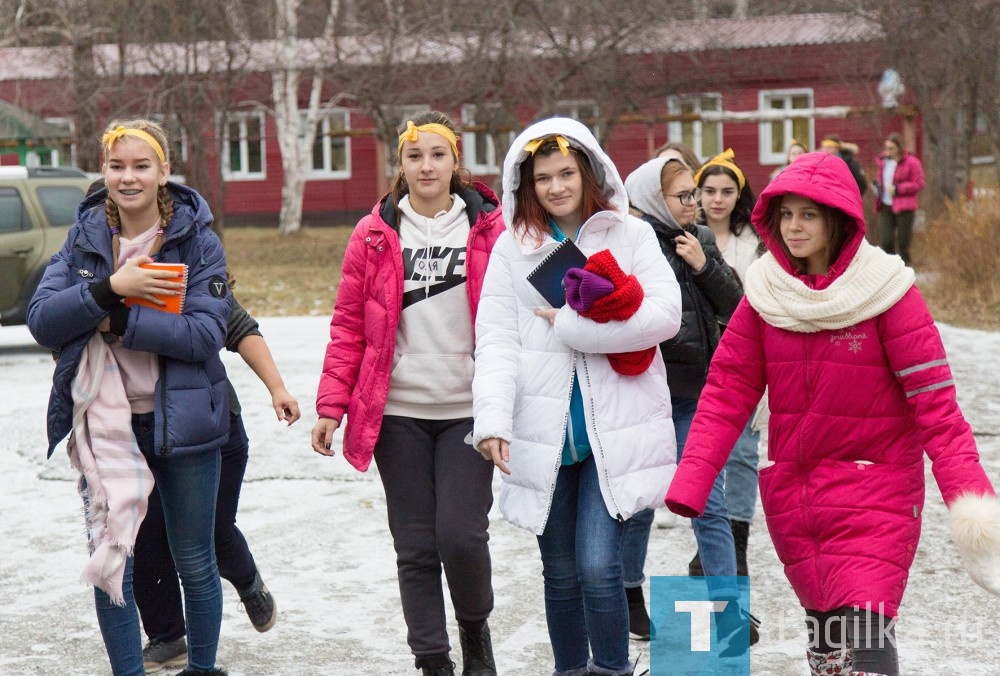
[[955, 257]]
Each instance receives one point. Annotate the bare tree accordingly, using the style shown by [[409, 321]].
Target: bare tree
[[295, 136]]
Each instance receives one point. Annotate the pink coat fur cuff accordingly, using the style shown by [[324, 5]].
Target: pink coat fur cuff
[[975, 528]]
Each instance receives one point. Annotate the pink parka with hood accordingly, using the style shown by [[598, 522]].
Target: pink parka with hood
[[852, 411], [359, 356]]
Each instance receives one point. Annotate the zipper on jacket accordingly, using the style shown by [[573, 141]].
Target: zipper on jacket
[[164, 448], [562, 442], [597, 442]]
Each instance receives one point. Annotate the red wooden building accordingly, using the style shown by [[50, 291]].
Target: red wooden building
[[750, 84]]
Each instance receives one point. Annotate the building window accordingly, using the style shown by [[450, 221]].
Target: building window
[[788, 116], [581, 111], [331, 151], [480, 153], [244, 143], [704, 138]]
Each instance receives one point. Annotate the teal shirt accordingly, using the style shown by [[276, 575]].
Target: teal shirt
[[577, 446]]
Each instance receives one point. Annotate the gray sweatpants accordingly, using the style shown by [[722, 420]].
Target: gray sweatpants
[[438, 493]]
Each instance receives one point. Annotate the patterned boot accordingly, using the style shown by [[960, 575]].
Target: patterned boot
[[837, 663]]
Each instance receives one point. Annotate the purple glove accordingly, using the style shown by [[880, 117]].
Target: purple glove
[[584, 287]]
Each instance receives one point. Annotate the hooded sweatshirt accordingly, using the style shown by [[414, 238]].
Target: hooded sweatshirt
[[432, 369]]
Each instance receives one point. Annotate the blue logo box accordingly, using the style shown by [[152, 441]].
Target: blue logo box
[[701, 625]]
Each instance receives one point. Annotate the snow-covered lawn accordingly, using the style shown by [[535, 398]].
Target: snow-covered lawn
[[318, 531]]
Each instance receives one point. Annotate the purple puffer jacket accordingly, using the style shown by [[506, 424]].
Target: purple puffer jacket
[[852, 411], [358, 361]]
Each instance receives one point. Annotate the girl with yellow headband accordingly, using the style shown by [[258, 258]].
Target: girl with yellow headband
[[138, 388], [399, 365], [727, 202]]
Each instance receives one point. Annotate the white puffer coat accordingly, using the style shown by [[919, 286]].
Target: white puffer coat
[[524, 364]]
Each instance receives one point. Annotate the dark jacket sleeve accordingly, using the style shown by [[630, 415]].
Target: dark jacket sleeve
[[240, 325], [717, 281]]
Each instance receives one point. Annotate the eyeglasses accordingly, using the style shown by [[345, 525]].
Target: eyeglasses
[[689, 197]]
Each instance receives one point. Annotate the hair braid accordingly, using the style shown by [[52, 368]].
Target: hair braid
[[166, 207], [114, 225]]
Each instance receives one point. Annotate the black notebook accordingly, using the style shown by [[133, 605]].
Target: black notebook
[[548, 276]]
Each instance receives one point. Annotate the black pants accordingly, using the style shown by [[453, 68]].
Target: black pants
[[155, 584], [438, 493], [895, 232], [870, 636]]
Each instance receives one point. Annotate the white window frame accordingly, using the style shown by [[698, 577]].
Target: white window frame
[[764, 98], [700, 130], [58, 158], [326, 172], [571, 108], [243, 174], [490, 164]]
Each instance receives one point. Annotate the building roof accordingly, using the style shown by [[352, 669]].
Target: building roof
[[17, 124], [27, 63]]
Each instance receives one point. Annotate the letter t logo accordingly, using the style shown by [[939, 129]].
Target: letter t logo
[[701, 621]]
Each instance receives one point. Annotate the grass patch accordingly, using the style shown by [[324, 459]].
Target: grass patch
[[288, 275]]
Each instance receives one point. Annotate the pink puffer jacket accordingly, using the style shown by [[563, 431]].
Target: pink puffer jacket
[[908, 179], [358, 361], [852, 411]]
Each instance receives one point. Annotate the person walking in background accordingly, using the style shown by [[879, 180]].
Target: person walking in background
[[899, 180], [859, 386], [727, 202], [155, 584], [832, 145], [795, 149], [662, 192], [400, 364], [680, 151], [581, 445], [141, 391]]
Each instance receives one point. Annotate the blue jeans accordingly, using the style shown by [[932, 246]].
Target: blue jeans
[[712, 530], [581, 548], [156, 587], [741, 476], [187, 486]]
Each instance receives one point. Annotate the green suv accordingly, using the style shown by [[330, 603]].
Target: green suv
[[37, 207]]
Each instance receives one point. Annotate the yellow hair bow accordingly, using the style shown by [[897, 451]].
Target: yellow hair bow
[[724, 159], [412, 131], [110, 137], [537, 143], [827, 143]]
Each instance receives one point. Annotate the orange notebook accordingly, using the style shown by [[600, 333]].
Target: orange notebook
[[174, 304]]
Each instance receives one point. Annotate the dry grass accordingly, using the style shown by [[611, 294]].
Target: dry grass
[[957, 255], [286, 275], [298, 274]]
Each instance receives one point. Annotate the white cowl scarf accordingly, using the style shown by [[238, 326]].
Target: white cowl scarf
[[872, 283]]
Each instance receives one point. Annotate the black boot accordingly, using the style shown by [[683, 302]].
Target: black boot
[[694, 568], [477, 649], [200, 672], [741, 533], [435, 665], [639, 626]]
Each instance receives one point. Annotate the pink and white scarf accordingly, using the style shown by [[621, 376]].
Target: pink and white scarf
[[115, 480]]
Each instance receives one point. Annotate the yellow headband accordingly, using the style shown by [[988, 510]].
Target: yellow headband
[[537, 143], [724, 159], [109, 139], [412, 130], [829, 144]]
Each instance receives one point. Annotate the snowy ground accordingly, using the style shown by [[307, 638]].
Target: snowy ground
[[317, 528]]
